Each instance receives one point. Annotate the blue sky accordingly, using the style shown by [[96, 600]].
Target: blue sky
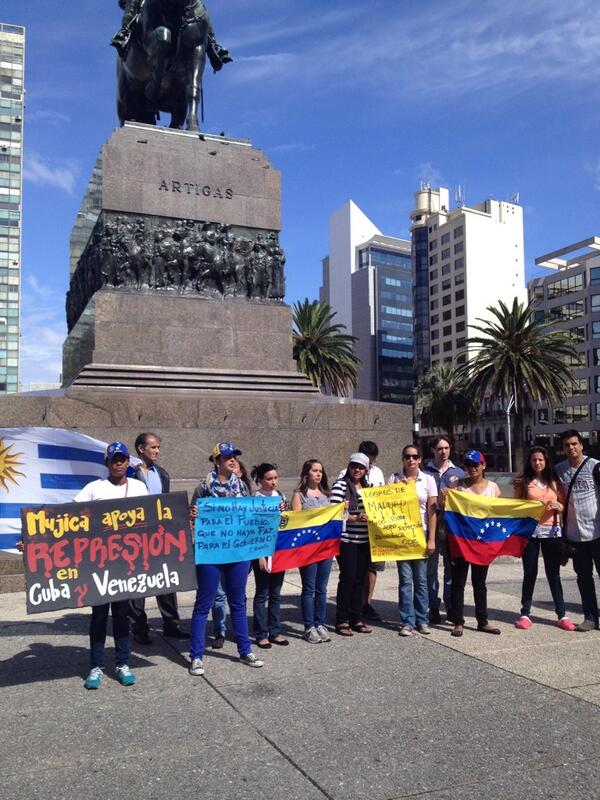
[[349, 100]]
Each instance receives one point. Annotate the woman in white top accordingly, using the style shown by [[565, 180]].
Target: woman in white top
[[267, 597], [474, 483], [413, 592]]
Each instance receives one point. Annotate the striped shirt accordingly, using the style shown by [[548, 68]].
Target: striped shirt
[[354, 532], [583, 513]]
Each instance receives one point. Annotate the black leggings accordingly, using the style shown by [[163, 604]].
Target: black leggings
[[353, 561], [460, 570]]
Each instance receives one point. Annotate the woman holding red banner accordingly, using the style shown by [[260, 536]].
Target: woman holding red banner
[[412, 573], [313, 492], [355, 553], [540, 482], [474, 483]]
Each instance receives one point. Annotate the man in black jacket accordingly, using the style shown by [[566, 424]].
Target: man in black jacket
[[147, 447]]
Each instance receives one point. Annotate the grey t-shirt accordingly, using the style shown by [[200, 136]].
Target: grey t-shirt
[[583, 514]]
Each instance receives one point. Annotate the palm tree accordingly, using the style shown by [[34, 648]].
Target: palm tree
[[324, 352], [520, 357], [442, 400]]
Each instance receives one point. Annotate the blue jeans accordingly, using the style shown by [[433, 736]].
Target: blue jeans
[[551, 558], [433, 581], [219, 612], [412, 592], [313, 599], [267, 602], [234, 578], [98, 624]]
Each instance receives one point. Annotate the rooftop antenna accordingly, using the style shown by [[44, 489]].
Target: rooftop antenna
[[459, 196], [515, 198]]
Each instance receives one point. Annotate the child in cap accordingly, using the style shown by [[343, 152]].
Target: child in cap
[[117, 485]]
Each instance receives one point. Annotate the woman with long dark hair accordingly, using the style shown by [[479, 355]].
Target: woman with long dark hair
[[540, 482], [355, 553], [313, 492]]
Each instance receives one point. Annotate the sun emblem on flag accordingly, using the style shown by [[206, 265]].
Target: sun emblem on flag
[[8, 463]]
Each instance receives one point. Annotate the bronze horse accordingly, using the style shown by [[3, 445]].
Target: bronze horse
[[164, 62]]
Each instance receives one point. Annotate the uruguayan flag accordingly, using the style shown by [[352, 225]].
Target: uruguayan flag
[[43, 465]]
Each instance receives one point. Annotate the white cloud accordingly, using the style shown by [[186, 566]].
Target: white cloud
[[427, 173], [43, 332], [44, 173], [47, 116], [594, 171]]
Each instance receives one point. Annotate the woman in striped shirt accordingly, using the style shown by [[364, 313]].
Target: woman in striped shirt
[[354, 554]]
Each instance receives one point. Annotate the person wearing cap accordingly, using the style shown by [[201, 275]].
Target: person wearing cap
[[412, 572], [474, 483], [115, 487], [355, 553], [222, 481], [157, 481], [446, 476]]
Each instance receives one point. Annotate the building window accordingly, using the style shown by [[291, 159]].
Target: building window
[[433, 275], [447, 347], [569, 415], [596, 353], [597, 410], [446, 253], [596, 384], [596, 329], [459, 295], [446, 300], [459, 279], [595, 300], [459, 327], [433, 244], [573, 283], [447, 330], [435, 334], [594, 275], [460, 343], [459, 311], [446, 269], [446, 316], [433, 260], [446, 284], [435, 349], [435, 319], [433, 305], [458, 231], [580, 386], [567, 311], [538, 291], [459, 247], [445, 238], [433, 289]]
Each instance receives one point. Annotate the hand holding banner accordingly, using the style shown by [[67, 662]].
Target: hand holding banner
[[395, 527], [230, 529]]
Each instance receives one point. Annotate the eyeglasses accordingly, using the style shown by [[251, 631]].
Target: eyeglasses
[[412, 456]]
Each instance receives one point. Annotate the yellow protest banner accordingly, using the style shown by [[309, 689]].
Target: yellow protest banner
[[395, 527]]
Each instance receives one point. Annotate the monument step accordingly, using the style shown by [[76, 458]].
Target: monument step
[[148, 377]]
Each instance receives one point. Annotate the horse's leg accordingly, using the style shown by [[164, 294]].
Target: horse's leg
[[194, 85], [159, 47]]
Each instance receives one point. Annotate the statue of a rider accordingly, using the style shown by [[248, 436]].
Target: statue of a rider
[[217, 55]]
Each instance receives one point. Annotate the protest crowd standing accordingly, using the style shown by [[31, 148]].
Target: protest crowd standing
[[570, 495]]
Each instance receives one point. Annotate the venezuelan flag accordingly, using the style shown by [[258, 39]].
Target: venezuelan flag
[[482, 528], [308, 536]]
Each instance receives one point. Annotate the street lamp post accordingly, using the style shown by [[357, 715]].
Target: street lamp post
[[509, 407]]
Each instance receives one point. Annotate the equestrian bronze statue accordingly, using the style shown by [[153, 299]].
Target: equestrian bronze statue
[[162, 46]]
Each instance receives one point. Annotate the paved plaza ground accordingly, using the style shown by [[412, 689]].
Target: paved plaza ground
[[377, 717]]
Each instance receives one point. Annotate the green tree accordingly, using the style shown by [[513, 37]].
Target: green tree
[[324, 351], [442, 400], [518, 356]]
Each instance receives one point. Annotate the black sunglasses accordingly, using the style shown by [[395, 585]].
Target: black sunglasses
[[414, 456]]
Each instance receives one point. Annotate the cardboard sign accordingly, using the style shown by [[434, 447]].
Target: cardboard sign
[[88, 554], [395, 526], [231, 529]]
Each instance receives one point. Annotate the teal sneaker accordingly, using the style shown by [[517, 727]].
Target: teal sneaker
[[125, 676], [94, 679]]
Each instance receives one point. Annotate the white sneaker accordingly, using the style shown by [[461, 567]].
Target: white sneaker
[[323, 633], [311, 636], [196, 667], [251, 660], [406, 630]]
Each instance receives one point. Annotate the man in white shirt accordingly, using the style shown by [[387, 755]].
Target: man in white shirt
[[116, 486]]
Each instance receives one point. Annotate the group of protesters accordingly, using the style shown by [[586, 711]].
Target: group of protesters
[[568, 528]]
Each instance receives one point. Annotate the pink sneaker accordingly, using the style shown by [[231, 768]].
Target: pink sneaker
[[523, 623], [566, 624]]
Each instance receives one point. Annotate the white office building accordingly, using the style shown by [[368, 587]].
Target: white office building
[[464, 260], [367, 280]]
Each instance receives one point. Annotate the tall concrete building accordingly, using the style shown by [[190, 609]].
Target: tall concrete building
[[570, 295], [367, 280], [464, 260], [12, 60]]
